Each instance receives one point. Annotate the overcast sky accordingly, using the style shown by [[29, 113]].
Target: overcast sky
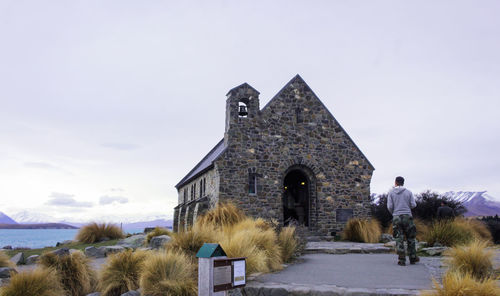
[[106, 105]]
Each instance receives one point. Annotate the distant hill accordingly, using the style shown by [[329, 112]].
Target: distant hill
[[37, 226], [4, 219], [477, 203]]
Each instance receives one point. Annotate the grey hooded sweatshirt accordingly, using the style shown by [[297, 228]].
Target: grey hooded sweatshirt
[[400, 201]]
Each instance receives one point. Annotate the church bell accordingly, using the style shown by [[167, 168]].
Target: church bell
[[243, 111]]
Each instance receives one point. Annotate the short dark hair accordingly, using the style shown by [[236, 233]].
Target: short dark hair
[[400, 181]]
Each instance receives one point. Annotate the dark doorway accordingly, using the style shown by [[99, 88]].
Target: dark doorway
[[296, 198]]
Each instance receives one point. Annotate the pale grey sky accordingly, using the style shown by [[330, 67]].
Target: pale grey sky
[[106, 105]]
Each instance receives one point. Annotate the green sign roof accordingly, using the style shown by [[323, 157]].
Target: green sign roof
[[210, 250]]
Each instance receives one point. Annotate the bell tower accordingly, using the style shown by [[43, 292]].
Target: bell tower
[[242, 108]]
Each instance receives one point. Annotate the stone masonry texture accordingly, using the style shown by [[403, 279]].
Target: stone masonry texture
[[294, 131]]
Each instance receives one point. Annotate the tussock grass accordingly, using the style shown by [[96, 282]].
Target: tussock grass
[[74, 271], [448, 233], [96, 232], [288, 243], [362, 230], [458, 284], [5, 261], [473, 259], [39, 282], [224, 214], [157, 232], [190, 241], [478, 228], [264, 253], [168, 273], [121, 273]]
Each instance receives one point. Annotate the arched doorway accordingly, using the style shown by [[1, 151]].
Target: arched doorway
[[296, 198]]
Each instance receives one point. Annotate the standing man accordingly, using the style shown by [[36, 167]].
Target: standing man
[[445, 212], [400, 202]]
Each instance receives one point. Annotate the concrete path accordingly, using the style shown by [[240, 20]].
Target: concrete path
[[348, 274]]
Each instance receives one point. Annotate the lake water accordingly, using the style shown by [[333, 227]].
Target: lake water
[[39, 238]]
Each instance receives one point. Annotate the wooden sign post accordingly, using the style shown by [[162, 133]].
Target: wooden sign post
[[216, 273]]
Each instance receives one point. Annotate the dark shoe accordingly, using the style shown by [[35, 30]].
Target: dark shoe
[[414, 260], [402, 263]]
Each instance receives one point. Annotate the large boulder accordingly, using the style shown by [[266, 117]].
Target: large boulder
[[18, 259], [133, 242], [158, 241], [94, 252], [33, 259], [6, 271], [108, 250]]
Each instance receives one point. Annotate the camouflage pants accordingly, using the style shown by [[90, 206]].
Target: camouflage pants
[[402, 227]]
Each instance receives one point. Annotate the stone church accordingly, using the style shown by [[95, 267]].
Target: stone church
[[289, 161]]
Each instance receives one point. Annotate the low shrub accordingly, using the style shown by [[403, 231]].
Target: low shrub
[[5, 261], [168, 273], [362, 230], [428, 203], [157, 232], [121, 273], [456, 283], [224, 214], [39, 282], [473, 259], [288, 243], [96, 232], [74, 271]]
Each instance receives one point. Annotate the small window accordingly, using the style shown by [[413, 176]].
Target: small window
[[299, 116], [194, 191], [201, 188], [252, 183], [185, 194]]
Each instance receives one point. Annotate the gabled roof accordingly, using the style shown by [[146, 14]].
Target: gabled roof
[[204, 165], [243, 85], [297, 78]]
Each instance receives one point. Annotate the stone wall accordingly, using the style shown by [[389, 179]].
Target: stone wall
[[294, 130]]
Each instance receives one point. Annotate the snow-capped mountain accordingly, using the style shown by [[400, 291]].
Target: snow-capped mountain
[[477, 203], [26, 217], [4, 219]]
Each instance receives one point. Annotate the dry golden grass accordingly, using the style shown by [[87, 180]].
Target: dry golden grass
[[449, 233], [121, 273], [5, 261], [95, 232], [458, 284], [39, 282], [473, 259], [157, 232], [190, 241], [362, 230], [224, 214], [288, 243], [264, 253], [168, 273], [74, 271], [478, 229]]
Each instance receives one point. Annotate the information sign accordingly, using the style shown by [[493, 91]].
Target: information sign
[[239, 273]]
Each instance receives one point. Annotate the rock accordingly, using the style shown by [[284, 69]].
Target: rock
[[94, 252], [8, 247], [94, 294], [66, 242], [385, 238], [18, 259], [108, 250], [391, 244], [131, 293], [71, 251], [32, 259], [134, 241], [158, 241], [61, 252], [6, 271], [435, 251]]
